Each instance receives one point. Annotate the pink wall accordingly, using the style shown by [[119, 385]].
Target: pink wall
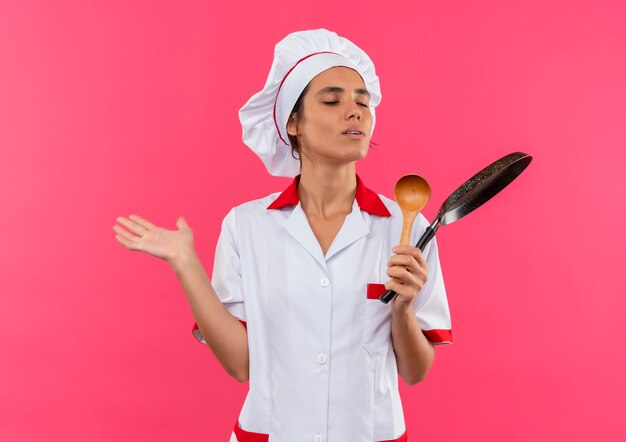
[[117, 107]]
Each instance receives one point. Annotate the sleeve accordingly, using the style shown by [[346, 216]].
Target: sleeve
[[226, 278], [431, 303]]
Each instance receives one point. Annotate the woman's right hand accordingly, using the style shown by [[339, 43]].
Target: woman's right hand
[[146, 237]]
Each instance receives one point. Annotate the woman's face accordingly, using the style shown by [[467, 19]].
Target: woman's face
[[336, 102]]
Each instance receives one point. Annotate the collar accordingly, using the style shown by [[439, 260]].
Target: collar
[[367, 199]]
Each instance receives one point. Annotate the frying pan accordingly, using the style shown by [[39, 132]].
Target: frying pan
[[472, 194]]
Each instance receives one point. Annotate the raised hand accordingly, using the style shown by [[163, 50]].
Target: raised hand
[[144, 236]]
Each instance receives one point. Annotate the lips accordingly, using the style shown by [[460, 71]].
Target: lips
[[353, 131], [354, 134]]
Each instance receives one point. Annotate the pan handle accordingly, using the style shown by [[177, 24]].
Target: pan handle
[[428, 234]]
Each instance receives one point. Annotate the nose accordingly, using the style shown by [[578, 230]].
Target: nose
[[354, 111]]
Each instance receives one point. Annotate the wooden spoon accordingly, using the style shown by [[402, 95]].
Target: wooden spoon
[[412, 193]]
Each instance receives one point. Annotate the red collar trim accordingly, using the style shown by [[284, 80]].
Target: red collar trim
[[367, 199]]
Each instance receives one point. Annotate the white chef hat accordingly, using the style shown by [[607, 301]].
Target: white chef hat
[[298, 58]]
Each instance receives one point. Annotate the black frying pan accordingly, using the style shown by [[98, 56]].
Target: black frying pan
[[471, 195]]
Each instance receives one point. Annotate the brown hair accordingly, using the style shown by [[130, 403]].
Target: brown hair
[[298, 110]]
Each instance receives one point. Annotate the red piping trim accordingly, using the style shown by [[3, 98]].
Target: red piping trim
[[281, 85]]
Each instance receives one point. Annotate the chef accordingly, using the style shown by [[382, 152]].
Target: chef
[[293, 303], [303, 269]]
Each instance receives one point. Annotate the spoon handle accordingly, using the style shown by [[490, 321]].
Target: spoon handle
[[407, 224]]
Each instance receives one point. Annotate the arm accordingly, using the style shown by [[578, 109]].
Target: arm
[[223, 333], [414, 353]]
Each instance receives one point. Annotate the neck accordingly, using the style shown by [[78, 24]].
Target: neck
[[327, 192]]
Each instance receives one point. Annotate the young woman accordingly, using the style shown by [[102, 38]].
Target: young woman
[[293, 303]]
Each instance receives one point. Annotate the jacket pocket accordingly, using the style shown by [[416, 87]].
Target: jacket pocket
[[377, 321]]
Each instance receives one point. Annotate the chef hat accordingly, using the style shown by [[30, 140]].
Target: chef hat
[[298, 58]]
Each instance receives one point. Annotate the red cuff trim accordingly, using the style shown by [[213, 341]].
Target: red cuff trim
[[375, 291], [196, 331], [247, 436], [403, 438], [439, 336]]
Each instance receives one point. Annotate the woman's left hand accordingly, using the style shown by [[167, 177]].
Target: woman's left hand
[[409, 273]]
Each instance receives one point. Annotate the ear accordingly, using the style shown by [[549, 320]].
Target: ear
[[292, 125]]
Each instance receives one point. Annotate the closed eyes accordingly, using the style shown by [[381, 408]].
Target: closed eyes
[[331, 103]]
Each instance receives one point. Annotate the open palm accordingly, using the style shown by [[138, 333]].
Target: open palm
[[144, 236]]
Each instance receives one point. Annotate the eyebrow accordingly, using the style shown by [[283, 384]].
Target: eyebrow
[[328, 89]]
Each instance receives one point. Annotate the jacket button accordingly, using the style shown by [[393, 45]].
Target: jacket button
[[318, 438], [324, 282], [321, 358]]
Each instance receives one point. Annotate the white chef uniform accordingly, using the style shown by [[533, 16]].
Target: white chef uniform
[[322, 365]]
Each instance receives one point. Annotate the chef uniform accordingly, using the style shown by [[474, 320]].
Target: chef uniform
[[322, 365]]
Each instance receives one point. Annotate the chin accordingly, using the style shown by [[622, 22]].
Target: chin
[[351, 152], [357, 156], [364, 150]]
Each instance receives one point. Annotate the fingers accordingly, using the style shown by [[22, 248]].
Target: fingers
[[404, 291], [406, 249], [136, 225], [410, 263], [403, 260], [398, 280], [402, 276], [408, 270], [125, 242], [142, 222], [123, 233], [409, 288]]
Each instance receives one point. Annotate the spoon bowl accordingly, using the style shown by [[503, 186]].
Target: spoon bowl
[[412, 192]]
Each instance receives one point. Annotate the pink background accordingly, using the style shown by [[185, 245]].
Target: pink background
[[118, 107]]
